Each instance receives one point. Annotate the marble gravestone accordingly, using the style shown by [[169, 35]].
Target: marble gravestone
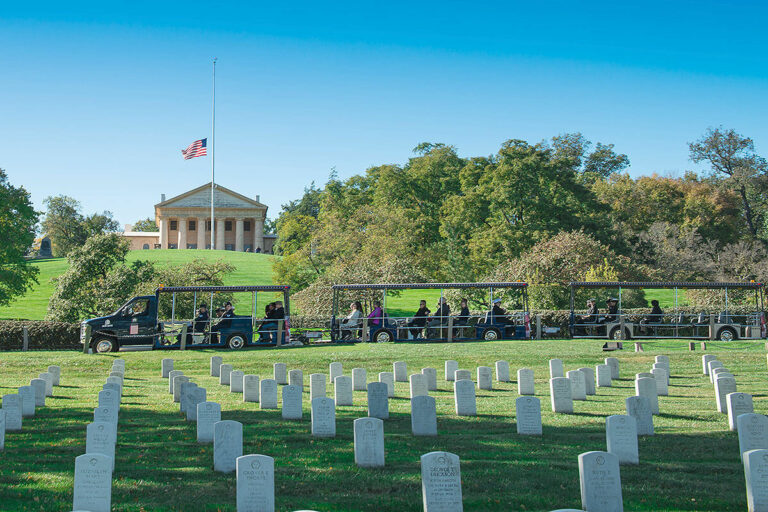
[[369, 442], [603, 372], [555, 368], [109, 398], [705, 359], [441, 482], [423, 416], [292, 402], [723, 387], [171, 375], [502, 371], [711, 365], [418, 385], [224, 372], [186, 395], [431, 375], [359, 379], [335, 370], [216, 366], [450, 369], [255, 483], [38, 385], [462, 375], [236, 381], [198, 396], [528, 415], [525, 382], [166, 365], [753, 432], [484, 378], [614, 364], [465, 398], [296, 378], [280, 371], [251, 388], [101, 438], [378, 400], [621, 438], [317, 386], [738, 404], [638, 408], [12, 408], [600, 482], [268, 394], [93, 483], [177, 382], [27, 396], [227, 445], [208, 414], [561, 395], [400, 371], [756, 476], [644, 375], [323, 417], [662, 381], [661, 366], [48, 378], [589, 380], [578, 384], [105, 414], [342, 387], [55, 371], [389, 379], [646, 388]]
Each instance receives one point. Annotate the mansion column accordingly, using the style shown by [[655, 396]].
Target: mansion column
[[183, 223], [220, 234], [163, 225], [258, 233], [200, 233], [239, 225]]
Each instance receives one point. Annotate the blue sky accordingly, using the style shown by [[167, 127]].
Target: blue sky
[[97, 99]]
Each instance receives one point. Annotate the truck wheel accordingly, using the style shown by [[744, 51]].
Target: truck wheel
[[382, 336], [616, 334], [726, 334], [103, 345], [491, 334], [236, 341]]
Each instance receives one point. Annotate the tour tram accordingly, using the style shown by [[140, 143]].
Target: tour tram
[[138, 321], [735, 311], [392, 325]]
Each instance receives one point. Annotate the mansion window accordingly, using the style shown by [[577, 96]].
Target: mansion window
[[191, 226], [227, 225], [207, 225], [247, 225], [174, 225]]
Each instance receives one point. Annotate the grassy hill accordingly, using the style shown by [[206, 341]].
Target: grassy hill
[[252, 269]]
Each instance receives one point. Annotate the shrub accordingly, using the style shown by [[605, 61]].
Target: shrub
[[42, 335]]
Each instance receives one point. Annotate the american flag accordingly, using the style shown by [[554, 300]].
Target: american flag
[[197, 148]]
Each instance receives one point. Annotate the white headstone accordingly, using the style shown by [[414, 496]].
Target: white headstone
[[208, 414], [292, 402], [723, 386], [255, 483], [484, 377], [335, 370], [705, 359], [756, 476], [603, 372], [525, 382], [400, 371], [450, 369], [93, 483], [662, 379], [268, 394], [224, 372], [737, 404], [528, 415], [198, 396], [236, 381], [48, 378], [251, 388], [389, 379], [186, 395], [614, 364], [638, 408], [578, 385], [502, 371], [55, 371], [227, 445], [317, 386], [215, 365], [171, 375], [441, 482], [561, 395], [753, 432], [661, 366], [359, 379], [711, 365], [378, 401], [589, 380], [621, 438], [109, 398], [646, 387], [342, 387], [101, 438], [38, 385], [119, 383], [663, 360], [105, 414], [462, 375], [27, 396], [423, 416], [717, 371], [464, 397], [177, 382], [555, 368], [115, 388], [296, 378], [418, 385], [281, 373], [431, 375], [12, 408], [323, 417], [644, 375], [600, 482], [166, 365], [369, 442]]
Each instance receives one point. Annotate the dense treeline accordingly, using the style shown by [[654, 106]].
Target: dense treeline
[[545, 213]]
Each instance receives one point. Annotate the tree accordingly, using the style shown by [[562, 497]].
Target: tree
[[98, 223], [17, 233], [63, 223], [600, 164], [147, 225], [734, 163]]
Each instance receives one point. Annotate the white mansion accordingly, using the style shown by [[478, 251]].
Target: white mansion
[[184, 222]]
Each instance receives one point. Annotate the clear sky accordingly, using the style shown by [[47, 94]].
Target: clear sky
[[97, 99]]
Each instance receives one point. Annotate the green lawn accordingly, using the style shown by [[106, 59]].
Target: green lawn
[[252, 269], [692, 463]]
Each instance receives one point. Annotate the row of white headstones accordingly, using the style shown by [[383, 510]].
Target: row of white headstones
[[93, 470], [22, 404]]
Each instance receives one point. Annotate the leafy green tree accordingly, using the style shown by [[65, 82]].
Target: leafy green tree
[[591, 166], [98, 223], [147, 225], [17, 233], [68, 228]]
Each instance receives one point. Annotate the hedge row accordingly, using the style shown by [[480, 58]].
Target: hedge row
[[41, 335]]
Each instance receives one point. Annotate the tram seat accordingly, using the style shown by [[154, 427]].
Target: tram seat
[[702, 319], [724, 318]]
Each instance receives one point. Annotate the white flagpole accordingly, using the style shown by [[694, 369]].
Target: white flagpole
[[213, 160]]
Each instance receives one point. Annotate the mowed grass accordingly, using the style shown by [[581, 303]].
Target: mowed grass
[[251, 269], [692, 463]]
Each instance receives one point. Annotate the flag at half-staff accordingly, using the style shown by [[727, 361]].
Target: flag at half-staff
[[197, 148]]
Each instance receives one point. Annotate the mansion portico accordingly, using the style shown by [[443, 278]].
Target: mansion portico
[[184, 222]]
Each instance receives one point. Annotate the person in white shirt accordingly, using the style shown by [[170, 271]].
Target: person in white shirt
[[351, 322]]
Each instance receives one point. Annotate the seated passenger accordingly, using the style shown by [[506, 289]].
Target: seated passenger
[[462, 319], [201, 320], [440, 318], [591, 316], [376, 315], [419, 320], [268, 325], [656, 316], [613, 311], [499, 314], [351, 322]]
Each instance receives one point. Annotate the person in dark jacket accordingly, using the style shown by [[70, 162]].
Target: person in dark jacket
[[613, 310], [591, 316], [656, 316], [419, 319], [201, 320], [440, 317], [268, 325], [500, 314], [462, 319]]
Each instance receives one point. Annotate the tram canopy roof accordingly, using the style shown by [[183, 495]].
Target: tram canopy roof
[[424, 286], [660, 284], [214, 289]]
